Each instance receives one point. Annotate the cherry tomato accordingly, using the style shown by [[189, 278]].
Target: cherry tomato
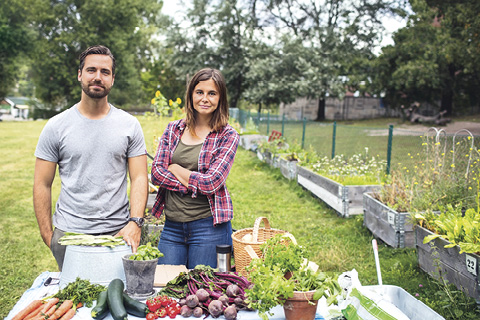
[[151, 316], [166, 302], [161, 312], [151, 304], [172, 313]]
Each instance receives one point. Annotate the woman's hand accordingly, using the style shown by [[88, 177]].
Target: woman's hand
[[182, 174]]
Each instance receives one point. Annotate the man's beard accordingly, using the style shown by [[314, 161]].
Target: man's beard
[[95, 94]]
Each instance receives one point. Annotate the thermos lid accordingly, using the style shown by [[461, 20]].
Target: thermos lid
[[224, 248]]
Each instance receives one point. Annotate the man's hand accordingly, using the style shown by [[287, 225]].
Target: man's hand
[[131, 234]]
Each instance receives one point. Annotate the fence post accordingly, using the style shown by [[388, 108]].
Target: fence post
[[334, 136], [389, 148], [283, 125], [303, 134], [268, 122]]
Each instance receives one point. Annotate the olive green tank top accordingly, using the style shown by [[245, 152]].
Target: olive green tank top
[[184, 208]]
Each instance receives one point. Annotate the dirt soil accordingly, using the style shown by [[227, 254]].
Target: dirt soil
[[450, 128]]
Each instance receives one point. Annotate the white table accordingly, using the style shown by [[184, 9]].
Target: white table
[[38, 291]]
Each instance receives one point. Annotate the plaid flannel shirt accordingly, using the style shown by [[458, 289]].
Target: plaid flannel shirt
[[214, 163]]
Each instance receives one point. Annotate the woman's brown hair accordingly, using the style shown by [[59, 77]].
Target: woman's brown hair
[[220, 115]]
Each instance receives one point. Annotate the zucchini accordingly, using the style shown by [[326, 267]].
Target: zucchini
[[134, 307], [100, 310], [115, 300]]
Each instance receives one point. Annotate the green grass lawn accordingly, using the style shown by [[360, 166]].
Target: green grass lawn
[[336, 244]]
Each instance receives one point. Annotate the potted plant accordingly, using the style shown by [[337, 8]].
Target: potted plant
[[272, 285], [140, 271]]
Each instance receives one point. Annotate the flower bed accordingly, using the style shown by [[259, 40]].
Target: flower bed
[[392, 227]]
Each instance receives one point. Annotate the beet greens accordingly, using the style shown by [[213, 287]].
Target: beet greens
[[208, 281]]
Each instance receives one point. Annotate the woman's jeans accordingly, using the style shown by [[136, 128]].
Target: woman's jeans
[[193, 243]]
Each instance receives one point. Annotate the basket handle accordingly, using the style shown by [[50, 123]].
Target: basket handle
[[257, 225], [251, 252], [288, 234]]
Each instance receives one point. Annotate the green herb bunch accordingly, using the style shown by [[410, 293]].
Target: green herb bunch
[[282, 255], [282, 252], [80, 291], [146, 252]]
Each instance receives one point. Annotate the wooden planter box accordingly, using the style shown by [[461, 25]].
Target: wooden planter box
[[251, 141], [269, 158], [458, 269], [288, 168], [346, 200], [392, 227]]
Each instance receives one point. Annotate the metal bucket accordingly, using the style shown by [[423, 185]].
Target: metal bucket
[[410, 306], [99, 265]]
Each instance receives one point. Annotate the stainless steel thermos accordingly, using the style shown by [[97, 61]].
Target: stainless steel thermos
[[224, 254]]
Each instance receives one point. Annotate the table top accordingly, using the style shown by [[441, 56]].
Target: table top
[[39, 291]]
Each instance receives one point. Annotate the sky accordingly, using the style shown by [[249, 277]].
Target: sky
[[174, 8]]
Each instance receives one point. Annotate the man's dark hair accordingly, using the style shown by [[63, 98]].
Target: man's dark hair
[[98, 49]]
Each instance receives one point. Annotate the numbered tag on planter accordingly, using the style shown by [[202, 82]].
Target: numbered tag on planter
[[471, 264], [391, 217]]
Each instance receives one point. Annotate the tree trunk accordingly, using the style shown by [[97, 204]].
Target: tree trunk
[[447, 92], [321, 109], [259, 107]]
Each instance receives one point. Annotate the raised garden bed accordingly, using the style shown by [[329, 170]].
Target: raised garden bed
[[288, 168], [392, 227], [459, 269], [251, 141], [346, 200]]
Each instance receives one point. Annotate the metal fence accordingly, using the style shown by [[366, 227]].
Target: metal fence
[[399, 147]]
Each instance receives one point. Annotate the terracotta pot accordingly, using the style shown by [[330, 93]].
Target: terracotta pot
[[301, 306]]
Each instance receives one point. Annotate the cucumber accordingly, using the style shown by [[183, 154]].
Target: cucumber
[[115, 300], [100, 310], [134, 307]]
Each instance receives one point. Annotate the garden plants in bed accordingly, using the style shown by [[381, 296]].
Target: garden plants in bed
[[341, 182]]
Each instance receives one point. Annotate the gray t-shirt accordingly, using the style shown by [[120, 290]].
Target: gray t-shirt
[[92, 160]]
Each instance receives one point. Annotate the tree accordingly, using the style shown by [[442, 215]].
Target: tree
[[66, 28], [15, 38], [213, 38], [333, 33], [435, 58]]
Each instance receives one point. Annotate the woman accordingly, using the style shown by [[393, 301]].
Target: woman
[[191, 166]]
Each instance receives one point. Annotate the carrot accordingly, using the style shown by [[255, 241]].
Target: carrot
[[34, 313], [69, 315], [34, 305], [79, 305], [46, 307], [64, 307], [50, 312]]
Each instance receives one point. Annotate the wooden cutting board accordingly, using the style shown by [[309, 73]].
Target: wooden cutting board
[[166, 272]]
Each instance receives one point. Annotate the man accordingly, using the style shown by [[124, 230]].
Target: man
[[94, 145]]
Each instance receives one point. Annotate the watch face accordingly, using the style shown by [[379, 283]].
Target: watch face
[[138, 221]]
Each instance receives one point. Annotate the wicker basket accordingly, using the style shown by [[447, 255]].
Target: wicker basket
[[260, 235]]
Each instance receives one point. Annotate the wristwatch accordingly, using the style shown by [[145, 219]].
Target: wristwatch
[[138, 221]]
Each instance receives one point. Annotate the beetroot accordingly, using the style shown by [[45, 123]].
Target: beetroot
[[230, 313], [192, 301], [232, 290], [182, 301], [215, 308], [224, 299], [186, 311], [197, 312], [202, 295]]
